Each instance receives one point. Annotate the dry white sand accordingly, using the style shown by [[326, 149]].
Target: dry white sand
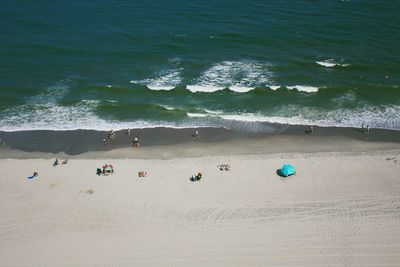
[[341, 209]]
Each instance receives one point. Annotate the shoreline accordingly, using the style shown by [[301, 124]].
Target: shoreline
[[278, 139]]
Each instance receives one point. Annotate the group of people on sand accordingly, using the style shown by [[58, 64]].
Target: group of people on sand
[[55, 163], [107, 169], [196, 177], [135, 141], [365, 129], [112, 135], [224, 167], [142, 174]]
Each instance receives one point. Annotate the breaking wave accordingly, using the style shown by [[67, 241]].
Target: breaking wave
[[238, 76], [330, 63]]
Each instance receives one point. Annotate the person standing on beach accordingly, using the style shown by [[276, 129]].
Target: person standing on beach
[[128, 132], [111, 135], [135, 141], [196, 135]]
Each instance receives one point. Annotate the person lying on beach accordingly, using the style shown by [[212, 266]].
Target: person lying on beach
[[65, 161], [224, 167], [142, 173], [35, 174], [55, 163], [196, 177]]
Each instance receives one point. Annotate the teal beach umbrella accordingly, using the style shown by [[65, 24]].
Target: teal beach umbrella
[[287, 170]]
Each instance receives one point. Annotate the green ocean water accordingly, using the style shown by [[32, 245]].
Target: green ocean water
[[118, 64]]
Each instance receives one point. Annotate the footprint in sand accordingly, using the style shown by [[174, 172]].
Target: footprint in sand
[[393, 159], [90, 191], [53, 185]]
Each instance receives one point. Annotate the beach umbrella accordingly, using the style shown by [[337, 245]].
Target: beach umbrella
[[108, 168], [287, 170]]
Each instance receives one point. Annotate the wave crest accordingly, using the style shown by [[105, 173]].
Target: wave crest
[[330, 63], [238, 76]]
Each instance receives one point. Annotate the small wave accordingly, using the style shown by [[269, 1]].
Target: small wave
[[274, 87], [167, 107], [330, 63], [203, 88], [216, 112], [208, 113], [197, 115], [240, 89], [158, 88], [303, 88], [107, 100]]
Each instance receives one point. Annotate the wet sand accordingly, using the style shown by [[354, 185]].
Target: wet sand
[[73, 143]]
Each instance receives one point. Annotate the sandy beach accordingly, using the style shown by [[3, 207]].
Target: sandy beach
[[342, 208]]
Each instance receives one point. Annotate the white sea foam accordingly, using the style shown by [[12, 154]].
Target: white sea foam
[[204, 88], [240, 89], [330, 63], [112, 101], [164, 80], [167, 107], [274, 87], [386, 117], [238, 76], [43, 112], [214, 111], [303, 88], [197, 115]]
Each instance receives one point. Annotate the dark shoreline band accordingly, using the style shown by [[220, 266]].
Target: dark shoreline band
[[76, 142]]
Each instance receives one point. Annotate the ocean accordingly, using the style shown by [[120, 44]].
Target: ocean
[[112, 64]]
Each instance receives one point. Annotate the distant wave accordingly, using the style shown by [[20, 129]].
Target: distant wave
[[274, 87], [203, 88], [240, 89], [167, 107], [303, 88], [330, 63], [243, 89]]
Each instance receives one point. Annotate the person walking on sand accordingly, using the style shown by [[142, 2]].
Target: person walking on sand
[[128, 132], [367, 129], [311, 131], [196, 135]]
